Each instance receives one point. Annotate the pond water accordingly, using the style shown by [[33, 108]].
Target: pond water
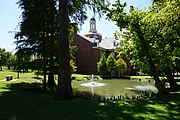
[[114, 87]]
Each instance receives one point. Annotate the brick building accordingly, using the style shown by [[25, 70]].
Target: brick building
[[90, 48]]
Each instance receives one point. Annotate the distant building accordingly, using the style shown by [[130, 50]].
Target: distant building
[[90, 48]]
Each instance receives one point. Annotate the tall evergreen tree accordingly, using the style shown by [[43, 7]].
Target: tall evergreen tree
[[38, 32], [121, 65], [70, 10], [64, 89], [111, 63], [101, 65]]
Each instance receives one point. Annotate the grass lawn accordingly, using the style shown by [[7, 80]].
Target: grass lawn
[[37, 106], [141, 77], [23, 76], [20, 100]]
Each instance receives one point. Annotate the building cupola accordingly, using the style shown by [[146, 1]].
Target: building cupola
[[93, 32], [93, 26]]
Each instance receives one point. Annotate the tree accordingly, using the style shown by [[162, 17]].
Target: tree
[[64, 89], [3, 57], [171, 34], [139, 36], [75, 12], [23, 60], [166, 41], [111, 63], [121, 65], [101, 65], [11, 60], [73, 66], [38, 32]]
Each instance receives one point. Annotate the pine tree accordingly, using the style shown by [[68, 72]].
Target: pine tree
[[101, 65], [111, 63]]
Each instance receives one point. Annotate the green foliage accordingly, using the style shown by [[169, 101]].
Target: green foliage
[[23, 60], [73, 66], [121, 65], [111, 63], [7, 59], [40, 31], [11, 60], [164, 26], [3, 57], [101, 65], [152, 34]]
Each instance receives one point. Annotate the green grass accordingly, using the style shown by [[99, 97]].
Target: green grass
[[6, 72], [141, 77], [22, 100], [23, 75], [28, 105]]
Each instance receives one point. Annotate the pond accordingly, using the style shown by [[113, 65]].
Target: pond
[[114, 87]]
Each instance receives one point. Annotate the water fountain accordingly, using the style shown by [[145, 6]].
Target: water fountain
[[92, 83]]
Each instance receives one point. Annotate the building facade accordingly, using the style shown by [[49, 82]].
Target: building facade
[[90, 47]]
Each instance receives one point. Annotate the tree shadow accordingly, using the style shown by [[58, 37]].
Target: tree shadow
[[23, 102], [177, 80], [24, 87], [38, 78]]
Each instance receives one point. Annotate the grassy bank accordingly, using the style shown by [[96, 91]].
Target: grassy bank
[[32, 105], [22, 100]]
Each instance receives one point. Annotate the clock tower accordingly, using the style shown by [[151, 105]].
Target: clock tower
[[93, 32], [93, 26]]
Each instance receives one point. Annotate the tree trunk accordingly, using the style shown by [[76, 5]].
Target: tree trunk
[[9, 67], [51, 82], [64, 88], [18, 68], [44, 67], [154, 71], [161, 88], [170, 78]]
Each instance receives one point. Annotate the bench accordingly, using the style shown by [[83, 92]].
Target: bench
[[9, 77]]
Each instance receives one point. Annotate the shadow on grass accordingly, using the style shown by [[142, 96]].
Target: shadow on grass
[[24, 87], [38, 78], [177, 80], [17, 105]]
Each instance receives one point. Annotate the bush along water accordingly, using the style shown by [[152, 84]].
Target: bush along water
[[125, 97]]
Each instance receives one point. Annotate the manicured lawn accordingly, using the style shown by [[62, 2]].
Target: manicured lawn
[[22, 100], [5, 72], [141, 77], [23, 76], [29, 105]]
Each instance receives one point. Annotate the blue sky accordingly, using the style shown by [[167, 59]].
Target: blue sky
[[10, 17]]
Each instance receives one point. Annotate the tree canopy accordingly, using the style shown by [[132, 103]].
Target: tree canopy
[[47, 34], [151, 38]]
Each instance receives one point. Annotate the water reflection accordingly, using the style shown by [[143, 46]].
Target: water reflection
[[115, 87]]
